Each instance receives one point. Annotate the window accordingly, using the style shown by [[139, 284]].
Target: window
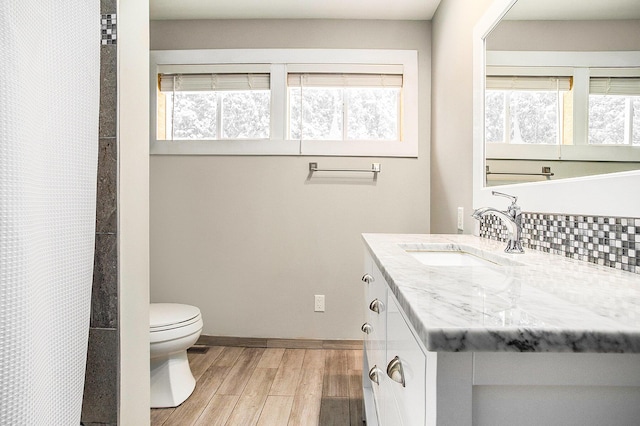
[[588, 111], [285, 102], [525, 109], [213, 106], [344, 106], [614, 111]]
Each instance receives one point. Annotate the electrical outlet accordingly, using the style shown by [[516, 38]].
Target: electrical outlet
[[318, 303], [460, 218]]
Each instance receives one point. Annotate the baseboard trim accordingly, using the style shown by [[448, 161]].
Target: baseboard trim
[[256, 342]]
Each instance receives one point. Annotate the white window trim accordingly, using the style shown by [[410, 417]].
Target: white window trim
[[580, 65], [338, 60]]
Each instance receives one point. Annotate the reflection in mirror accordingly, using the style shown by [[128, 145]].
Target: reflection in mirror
[[562, 91]]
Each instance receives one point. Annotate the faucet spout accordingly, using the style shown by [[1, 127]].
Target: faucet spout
[[512, 220], [506, 218]]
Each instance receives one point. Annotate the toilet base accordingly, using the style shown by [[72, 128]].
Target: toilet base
[[171, 380]]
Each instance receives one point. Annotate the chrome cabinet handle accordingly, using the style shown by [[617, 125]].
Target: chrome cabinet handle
[[366, 328], [376, 306], [395, 371], [373, 374], [367, 278]]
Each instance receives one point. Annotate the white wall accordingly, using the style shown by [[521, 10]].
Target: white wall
[[133, 212], [249, 239], [452, 117]]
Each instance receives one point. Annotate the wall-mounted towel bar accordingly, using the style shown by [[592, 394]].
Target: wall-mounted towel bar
[[546, 171], [375, 168]]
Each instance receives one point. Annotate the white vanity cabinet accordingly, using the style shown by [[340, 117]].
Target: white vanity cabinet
[[577, 367]]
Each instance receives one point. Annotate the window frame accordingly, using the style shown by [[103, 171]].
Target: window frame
[[279, 62]]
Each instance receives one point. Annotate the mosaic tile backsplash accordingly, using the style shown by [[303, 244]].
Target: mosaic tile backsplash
[[608, 241], [108, 28]]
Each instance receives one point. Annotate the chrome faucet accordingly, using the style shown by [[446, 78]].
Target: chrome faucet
[[512, 218]]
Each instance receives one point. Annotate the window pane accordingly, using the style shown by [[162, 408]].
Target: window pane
[[245, 114], [606, 119], [321, 113], [534, 117], [494, 116], [372, 113], [194, 115], [295, 122]]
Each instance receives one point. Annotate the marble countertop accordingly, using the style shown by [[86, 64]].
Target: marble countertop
[[531, 302]]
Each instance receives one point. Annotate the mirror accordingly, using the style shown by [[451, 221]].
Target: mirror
[[562, 91], [604, 194]]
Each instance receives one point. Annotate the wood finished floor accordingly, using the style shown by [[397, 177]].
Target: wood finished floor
[[238, 386]]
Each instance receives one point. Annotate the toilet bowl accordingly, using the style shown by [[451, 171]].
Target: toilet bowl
[[173, 328]]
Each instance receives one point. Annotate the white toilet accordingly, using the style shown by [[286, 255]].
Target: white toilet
[[173, 328]]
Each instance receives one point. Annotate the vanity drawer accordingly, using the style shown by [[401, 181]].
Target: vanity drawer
[[404, 353]]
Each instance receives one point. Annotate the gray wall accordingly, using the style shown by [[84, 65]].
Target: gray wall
[[452, 117], [565, 35], [249, 239]]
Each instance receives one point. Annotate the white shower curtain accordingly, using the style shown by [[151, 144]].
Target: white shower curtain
[[49, 97]]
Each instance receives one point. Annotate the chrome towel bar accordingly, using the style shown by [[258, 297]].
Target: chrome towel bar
[[375, 168], [546, 171]]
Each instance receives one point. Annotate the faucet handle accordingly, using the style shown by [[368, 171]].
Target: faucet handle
[[513, 198]]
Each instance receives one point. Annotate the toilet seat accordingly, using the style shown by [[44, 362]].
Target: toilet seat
[[171, 315], [169, 321], [155, 329]]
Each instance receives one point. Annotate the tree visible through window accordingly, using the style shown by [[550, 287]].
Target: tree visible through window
[[321, 113], [522, 116], [614, 120], [344, 106]]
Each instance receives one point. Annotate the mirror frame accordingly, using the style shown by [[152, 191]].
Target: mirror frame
[[616, 194]]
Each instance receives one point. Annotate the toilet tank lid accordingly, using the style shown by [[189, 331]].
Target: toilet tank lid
[[162, 314]]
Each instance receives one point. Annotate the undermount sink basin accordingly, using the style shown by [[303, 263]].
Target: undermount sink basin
[[454, 255], [449, 258]]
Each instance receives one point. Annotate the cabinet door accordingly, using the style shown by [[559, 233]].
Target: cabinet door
[[405, 360]]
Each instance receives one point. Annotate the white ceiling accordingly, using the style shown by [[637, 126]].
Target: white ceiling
[[574, 10], [382, 9], [293, 9]]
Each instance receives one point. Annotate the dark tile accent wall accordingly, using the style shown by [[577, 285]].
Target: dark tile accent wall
[[607, 241], [104, 292], [100, 402], [106, 208], [108, 91]]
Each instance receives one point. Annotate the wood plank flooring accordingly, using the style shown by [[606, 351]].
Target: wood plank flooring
[[242, 386]]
